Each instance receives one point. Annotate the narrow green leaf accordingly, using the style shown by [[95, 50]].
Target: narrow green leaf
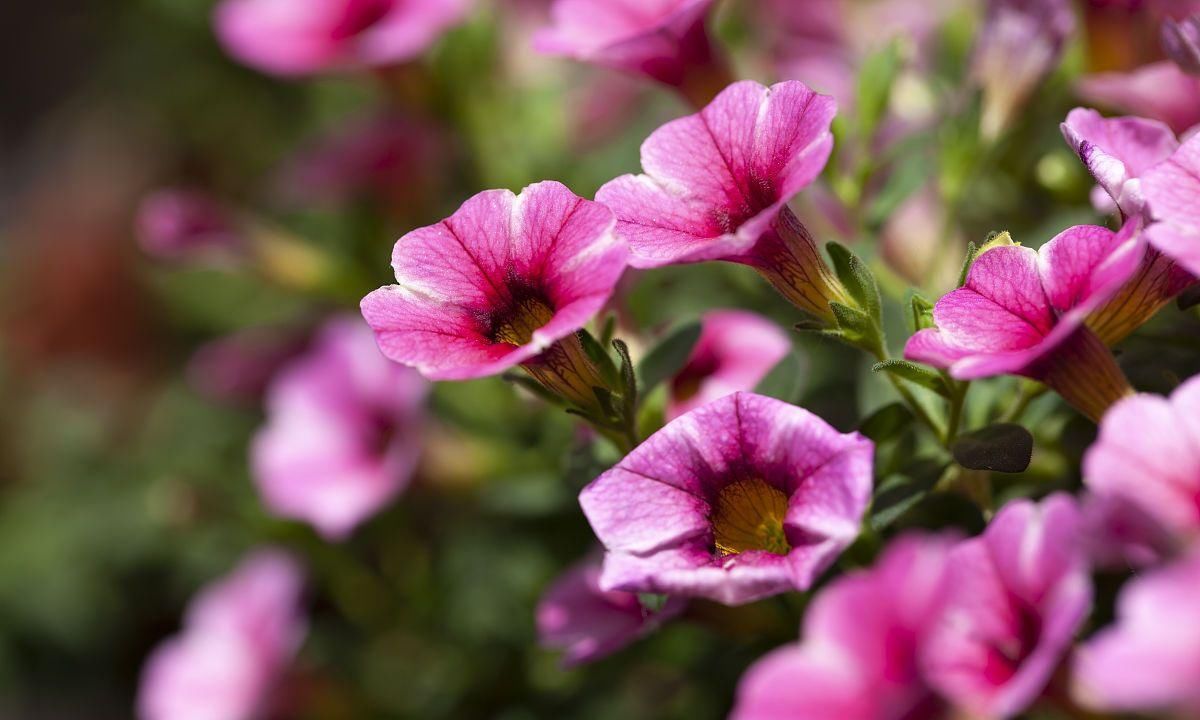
[[972, 251], [876, 76], [916, 374], [1005, 447], [920, 312], [599, 357], [886, 423], [628, 378], [857, 278], [668, 357]]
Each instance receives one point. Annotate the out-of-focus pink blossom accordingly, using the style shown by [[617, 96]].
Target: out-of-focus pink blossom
[[1148, 661], [1172, 188], [1015, 597], [735, 351], [506, 280], [1159, 90], [1023, 312], [343, 432], [1144, 472], [717, 183], [303, 37], [1181, 40], [859, 655], [576, 616], [239, 635], [237, 368], [177, 224], [743, 498]]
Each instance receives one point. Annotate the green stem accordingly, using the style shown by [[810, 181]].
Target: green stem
[[957, 400]]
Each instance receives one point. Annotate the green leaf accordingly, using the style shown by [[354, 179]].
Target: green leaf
[[856, 327], [875, 78], [668, 357], [600, 357], [858, 280], [898, 494], [905, 179], [972, 251], [916, 374], [1189, 298], [628, 378], [886, 423], [785, 381], [920, 312], [1005, 447]]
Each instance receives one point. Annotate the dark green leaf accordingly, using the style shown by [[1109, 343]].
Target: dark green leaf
[[785, 381], [668, 357], [920, 312], [857, 278], [886, 423], [1005, 447], [599, 357], [628, 377], [856, 327], [966, 266], [916, 374], [1189, 298]]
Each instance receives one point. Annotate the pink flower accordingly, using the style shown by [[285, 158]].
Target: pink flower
[[176, 224], [1015, 598], [303, 37], [1172, 189], [1020, 42], [506, 280], [343, 432], [735, 351], [1159, 90], [1146, 462], [1118, 152], [239, 635], [717, 184], [237, 368], [1022, 312], [662, 39], [576, 616], [859, 655], [743, 498], [1181, 40], [1148, 661]]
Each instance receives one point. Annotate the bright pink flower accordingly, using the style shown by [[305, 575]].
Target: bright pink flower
[[343, 432], [1172, 189], [743, 498], [237, 368], [1147, 462], [302, 37], [1118, 152], [175, 224], [239, 635], [1160, 90], [859, 654], [587, 623], [662, 39], [1023, 312], [717, 185], [735, 351], [1149, 660], [506, 280], [1015, 598]]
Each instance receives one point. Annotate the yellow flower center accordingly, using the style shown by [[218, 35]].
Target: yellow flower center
[[748, 515], [517, 327]]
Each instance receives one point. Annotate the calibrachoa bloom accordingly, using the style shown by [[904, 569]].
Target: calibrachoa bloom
[[302, 37], [1147, 661], [743, 498], [575, 615], [1172, 188], [506, 280], [1016, 596], [1020, 43], [1159, 90], [662, 39], [859, 656], [343, 432], [717, 185], [1146, 461], [1181, 40], [176, 224], [1022, 312], [735, 351], [239, 635]]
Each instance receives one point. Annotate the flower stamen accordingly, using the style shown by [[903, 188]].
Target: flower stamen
[[748, 515]]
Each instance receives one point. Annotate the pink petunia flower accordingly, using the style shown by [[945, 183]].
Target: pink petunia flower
[[343, 432], [1020, 43], [239, 635], [662, 39], [1118, 152], [859, 653], [304, 37], [1172, 188], [1144, 474], [1147, 661], [1159, 90], [743, 498], [1015, 597], [1181, 41], [575, 615], [506, 280], [735, 351], [238, 367], [177, 224], [1023, 312], [717, 185]]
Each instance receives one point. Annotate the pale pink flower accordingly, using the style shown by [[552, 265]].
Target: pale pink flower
[[743, 498], [1118, 152], [343, 432], [587, 623], [1172, 189], [1159, 90], [735, 352], [303, 37], [238, 638]]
